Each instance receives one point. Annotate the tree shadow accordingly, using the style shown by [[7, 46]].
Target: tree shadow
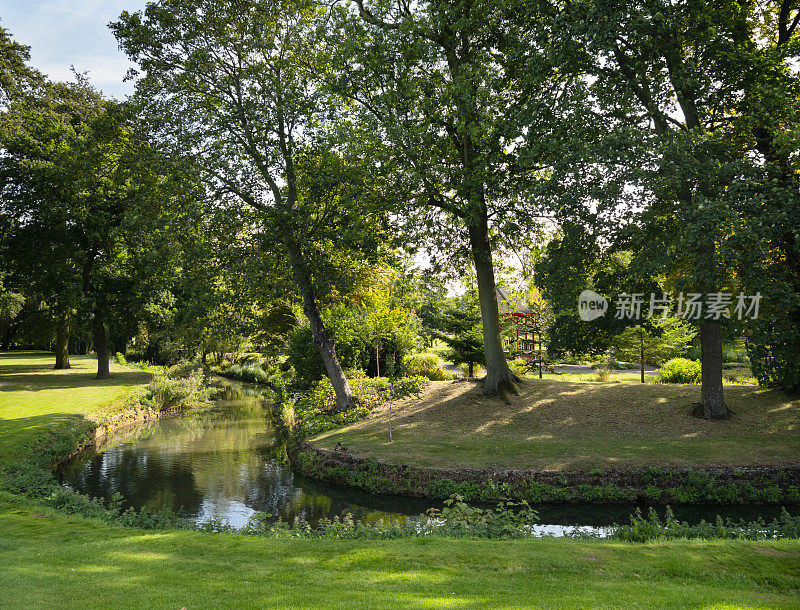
[[35, 382]]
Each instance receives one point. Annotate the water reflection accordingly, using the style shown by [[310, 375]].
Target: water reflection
[[220, 464]]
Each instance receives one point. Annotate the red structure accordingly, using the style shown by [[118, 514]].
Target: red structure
[[526, 342]]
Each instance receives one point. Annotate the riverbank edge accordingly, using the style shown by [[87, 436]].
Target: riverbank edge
[[51, 449], [650, 485]]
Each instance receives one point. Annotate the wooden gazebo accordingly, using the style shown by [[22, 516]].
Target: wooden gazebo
[[526, 343]]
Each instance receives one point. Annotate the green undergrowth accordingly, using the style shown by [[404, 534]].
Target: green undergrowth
[[315, 411], [655, 485], [251, 372], [645, 529]]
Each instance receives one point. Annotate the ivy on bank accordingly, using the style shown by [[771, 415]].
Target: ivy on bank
[[315, 411], [653, 484]]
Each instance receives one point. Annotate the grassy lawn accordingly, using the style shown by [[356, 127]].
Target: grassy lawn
[[52, 561], [34, 397], [557, 424]]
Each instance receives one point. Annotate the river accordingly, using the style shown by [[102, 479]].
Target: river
[[220, 463]]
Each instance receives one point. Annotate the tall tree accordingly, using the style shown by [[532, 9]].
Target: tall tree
[[234, 84], [75, 178], [669, 80], [16, 76], [429, 77]]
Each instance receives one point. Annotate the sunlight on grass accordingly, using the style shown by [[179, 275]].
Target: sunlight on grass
[[578, 426], [34, 396]]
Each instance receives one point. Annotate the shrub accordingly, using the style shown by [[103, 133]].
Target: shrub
[[167, 391], [680, 370], [603, 373], [316, 410], [120, 358], [518, 366], [426, 365], [183, 369], [251, 372]]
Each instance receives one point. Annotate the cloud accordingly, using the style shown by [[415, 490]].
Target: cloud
[[63, 33]]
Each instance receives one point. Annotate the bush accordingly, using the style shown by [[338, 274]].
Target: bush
[[603, 373], [120, 358], [680, 370], [316, 410], [519, 367], [251, 372], [168, 392], [426, 365]]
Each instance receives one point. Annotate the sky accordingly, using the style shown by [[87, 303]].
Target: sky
[[61, 33]]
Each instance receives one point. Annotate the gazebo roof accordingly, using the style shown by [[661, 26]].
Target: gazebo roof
[[507, 305]]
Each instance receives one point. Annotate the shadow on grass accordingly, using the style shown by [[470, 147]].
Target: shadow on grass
[[563, 424], [34, 382]]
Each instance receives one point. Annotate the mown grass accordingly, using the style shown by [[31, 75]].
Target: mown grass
[[51, 561], [555, 424], [34, 397]]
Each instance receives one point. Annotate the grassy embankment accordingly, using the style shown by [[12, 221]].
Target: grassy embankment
[[35, 398], [52, 560], [566, 425]]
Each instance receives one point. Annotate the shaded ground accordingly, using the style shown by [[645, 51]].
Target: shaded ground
[[572, 425], [48, 560], [55, 562], [33, 396]]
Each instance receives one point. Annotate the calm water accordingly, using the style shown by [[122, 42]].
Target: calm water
[[220, 463]]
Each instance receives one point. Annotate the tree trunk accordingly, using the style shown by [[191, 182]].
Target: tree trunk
[[471, 369], [62, 342], [712, 405], [641, 353], [100, 346], [8, 336], [324, 344], [499, 378]]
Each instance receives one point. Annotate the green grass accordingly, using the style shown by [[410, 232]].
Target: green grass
[[52, 561], [34, 397], [556, 424]]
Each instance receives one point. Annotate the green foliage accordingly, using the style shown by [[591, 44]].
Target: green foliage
[[316, 411], [176, 388], [659, 338], [120, 358], [681, 370], [603, 373], [377, 327], [652, 528], [427, 364], [460, 328], [252, 372]]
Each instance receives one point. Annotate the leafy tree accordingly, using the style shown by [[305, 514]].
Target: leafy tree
[[430, 80], [234, 84], [573, 262], [653, 341], [462, 334], [16, 76], [680, 90], [42, 140], [10, 303], [81, 187]]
